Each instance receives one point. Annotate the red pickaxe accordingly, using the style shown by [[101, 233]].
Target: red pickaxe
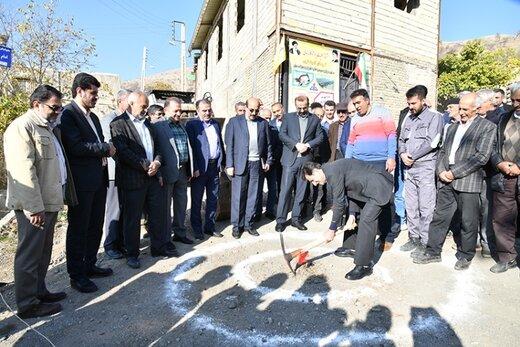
[[302, 253]]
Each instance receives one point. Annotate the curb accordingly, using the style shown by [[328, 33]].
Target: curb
[[7, 219]]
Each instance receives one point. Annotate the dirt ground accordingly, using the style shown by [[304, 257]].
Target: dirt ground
[[240, 292]]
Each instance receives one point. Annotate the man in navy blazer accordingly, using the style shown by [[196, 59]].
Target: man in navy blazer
[[300, 134], [205, 137], [87, 152], [177, 166], [248, 146]]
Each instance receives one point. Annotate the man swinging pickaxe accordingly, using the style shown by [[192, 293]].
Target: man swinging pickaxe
[[301, 254], [370, 187]]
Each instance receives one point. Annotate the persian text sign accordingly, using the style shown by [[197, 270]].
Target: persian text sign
[[313, 71]]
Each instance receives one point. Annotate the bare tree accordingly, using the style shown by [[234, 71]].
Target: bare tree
[[44, 44]]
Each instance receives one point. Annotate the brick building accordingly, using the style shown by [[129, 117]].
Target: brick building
[[238, 45]]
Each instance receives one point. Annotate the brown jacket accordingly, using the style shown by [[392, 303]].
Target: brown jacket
[[333, 140], [33, 173]]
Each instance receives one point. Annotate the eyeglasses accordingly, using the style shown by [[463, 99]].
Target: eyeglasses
[[55, 108]]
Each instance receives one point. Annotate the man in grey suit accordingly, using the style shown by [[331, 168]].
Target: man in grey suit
[[365, 185], [177, 166], [112, 228], [300, 134], [248, 148], [466, 150]]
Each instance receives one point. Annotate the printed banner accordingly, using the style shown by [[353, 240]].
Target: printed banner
[[313, 71]]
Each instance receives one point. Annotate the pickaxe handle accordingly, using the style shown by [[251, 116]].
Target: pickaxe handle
[[308, 247]]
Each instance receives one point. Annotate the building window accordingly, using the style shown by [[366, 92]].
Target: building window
[[241, 14], [220, 37], [206, 58], [408, 5]]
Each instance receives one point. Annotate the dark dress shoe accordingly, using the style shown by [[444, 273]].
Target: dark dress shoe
[[83, 285], [462, 264], [252, 232], [40, 310], [236, 233], [298, 225], [213, 233], [168, 252], [133, 262], [269, 216], [426, 258], [199, 237], [97, 271], [114, 254], [52, 297], [257, 218], [182, 239], [345, 252], [358, 272], [503, 266], [279, 227]]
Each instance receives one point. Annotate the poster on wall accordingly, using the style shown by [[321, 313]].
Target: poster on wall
[[313, 71]]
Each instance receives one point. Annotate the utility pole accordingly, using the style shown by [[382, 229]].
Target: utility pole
[[143, 67], [182, 41]]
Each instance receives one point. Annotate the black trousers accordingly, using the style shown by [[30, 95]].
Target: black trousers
[[464, 208], [367, 232], [84, 231], [290, 175], [506, 219], [154, 197]]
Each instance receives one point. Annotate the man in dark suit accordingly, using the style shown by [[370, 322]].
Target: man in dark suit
[[84, 145], [366, 185], [466, 150], [248, 147], [506, 185], [177, 166], [274, 175], [205, 138], [300, 134], [137, 165], [499, 103]]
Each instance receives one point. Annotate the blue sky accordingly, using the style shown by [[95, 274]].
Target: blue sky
[[121, 28]]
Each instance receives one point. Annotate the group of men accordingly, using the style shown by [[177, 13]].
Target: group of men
[[139, 160]]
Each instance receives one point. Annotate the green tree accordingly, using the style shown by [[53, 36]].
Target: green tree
[[44, 44], [475, 67]]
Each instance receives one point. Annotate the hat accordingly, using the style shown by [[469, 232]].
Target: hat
[[342, 105]]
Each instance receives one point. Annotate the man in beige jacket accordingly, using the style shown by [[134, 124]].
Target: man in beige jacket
[[37, 181]]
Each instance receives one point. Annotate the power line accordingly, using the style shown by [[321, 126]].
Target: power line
[[143, 11], [134, 13]]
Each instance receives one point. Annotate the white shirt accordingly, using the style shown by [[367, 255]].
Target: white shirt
[[91, 123], [105, 127], [459, 134], [278, 124], [252, 128], [211, 134], [144, 135]]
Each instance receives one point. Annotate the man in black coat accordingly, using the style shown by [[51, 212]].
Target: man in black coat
[[137, 168], [300, 134], [368, 187], [87, 152]]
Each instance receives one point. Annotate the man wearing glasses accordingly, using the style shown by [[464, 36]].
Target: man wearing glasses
[[248, 146], [38, 181]]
